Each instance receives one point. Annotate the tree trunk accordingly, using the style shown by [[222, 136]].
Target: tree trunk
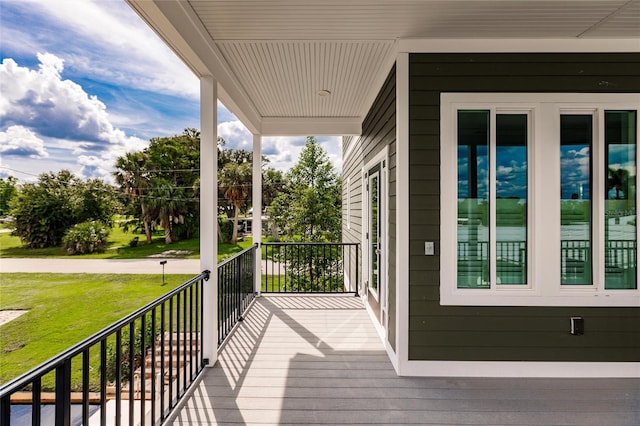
[[166, 224], [220, 236], [147, 225], [234, 237]]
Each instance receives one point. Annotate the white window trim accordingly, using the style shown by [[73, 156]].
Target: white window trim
[[543, 205]]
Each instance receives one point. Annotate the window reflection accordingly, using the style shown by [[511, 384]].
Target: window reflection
[[576, 136], [473, 202], [511, 198], [620, 200]]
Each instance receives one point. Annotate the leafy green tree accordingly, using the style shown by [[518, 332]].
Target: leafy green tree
[[95, 200], [174, 164], [8, 189], [163, 181], [273, 184], [45, 210], [310, 205]]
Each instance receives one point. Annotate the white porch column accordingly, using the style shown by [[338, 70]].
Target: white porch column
[[208, 213], [256, 223]]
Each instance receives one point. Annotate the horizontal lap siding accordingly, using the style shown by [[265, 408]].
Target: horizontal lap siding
[[467, 333], [378, 131]]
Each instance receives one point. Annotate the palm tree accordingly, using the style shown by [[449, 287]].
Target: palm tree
[[133, 180], [166, 202], [618, 179], [234, 181]]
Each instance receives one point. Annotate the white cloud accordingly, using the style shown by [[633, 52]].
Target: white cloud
[[235, 135], [99, 34], [53, 107], [42, 109], [21, 142]]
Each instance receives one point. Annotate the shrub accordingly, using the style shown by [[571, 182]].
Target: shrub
[[226, 229], [134, 242], [86, 237]]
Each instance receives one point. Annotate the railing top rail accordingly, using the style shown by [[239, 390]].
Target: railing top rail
[[47, 366], [232, 258]]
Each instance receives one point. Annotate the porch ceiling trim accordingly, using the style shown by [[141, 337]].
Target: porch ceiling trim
[[519, 45], [276, 126]]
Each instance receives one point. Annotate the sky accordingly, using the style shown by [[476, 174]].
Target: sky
[[82, 82]]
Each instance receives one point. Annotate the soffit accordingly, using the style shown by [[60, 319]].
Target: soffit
[[277, 54]]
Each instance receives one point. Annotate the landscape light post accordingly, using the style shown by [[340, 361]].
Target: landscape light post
[[163, 262]]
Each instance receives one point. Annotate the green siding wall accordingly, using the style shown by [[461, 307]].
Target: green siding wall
[[378, 131], [500, 333]]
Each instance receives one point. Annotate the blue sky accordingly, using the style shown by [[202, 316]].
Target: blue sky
[[84, 81]]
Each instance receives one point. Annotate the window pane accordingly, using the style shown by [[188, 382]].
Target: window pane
[[576, 136], [473, 201], [620, 200], [511, 198]]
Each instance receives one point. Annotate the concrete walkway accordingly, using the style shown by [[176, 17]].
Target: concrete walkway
[[101, 266]]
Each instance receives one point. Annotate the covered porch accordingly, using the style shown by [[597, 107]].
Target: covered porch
[[319, 359]]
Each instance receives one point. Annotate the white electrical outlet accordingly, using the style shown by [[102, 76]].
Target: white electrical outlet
[[429, 248]]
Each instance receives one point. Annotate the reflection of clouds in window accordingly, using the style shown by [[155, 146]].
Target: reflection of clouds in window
[[511, 172], [574, 166], [623, 157]]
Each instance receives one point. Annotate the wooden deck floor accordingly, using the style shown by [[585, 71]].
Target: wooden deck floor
[[318, 360]]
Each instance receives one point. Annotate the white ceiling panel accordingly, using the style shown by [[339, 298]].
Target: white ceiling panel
[[276, 55]]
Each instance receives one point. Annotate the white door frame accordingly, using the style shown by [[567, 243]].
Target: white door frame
[[381, 158]]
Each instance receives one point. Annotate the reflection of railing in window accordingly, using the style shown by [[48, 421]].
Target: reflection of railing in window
[[575, 262], [473, 263], [620, 258]]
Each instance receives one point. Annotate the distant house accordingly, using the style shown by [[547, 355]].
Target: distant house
[[489, 164]]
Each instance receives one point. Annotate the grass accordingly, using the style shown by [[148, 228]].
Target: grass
[[11, 246], [64, 309]]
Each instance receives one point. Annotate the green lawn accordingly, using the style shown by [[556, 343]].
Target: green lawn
[[119, 248], [64, 309]]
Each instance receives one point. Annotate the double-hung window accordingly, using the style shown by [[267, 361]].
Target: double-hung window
[[538, 199]]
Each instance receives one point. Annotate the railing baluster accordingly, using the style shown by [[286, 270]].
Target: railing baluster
[[36, 403], [85, 386], [143, 362], [63, 393], [170, 353], [131, 379], [118, 370], [153, 366], [163, 371], [103, 380], [184, 340]]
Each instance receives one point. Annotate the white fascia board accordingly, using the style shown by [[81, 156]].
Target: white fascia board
[[378, 82], [520, 369], [519, 45], [178, 25], [277, 126]]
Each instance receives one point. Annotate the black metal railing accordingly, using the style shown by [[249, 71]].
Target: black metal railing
[[235, 289], [310, 267], [132, 372]]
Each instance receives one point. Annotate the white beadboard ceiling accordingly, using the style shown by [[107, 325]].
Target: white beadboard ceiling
[[271, 57]]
